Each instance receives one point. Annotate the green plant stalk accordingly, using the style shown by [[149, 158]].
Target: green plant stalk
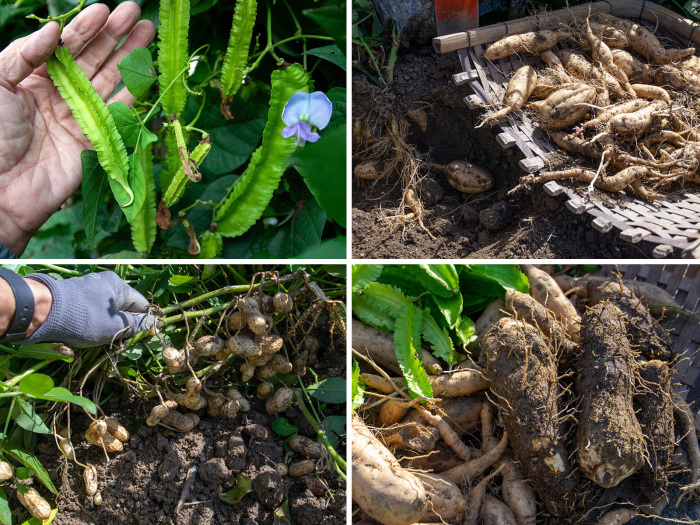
[[59, 269], [373, 60], [393, 54], [322, 436], [29, 371], [269, 48], [62, 17]]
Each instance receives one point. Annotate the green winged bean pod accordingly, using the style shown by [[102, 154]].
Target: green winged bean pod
[[236, 57], [95, 120], [248, 197], [143, 227], [177, 186], [174, 25], [172, 160]]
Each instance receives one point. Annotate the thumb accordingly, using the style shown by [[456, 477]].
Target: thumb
[[24, 55]]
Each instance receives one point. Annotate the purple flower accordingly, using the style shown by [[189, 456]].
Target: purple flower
[[305, 112]]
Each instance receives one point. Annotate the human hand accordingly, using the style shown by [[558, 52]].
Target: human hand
[[90, 311], [40, 141]]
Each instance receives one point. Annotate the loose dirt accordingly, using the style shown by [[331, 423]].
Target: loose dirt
[[143, 483]]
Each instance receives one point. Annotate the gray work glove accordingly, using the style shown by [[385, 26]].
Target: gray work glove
[[88, 311]]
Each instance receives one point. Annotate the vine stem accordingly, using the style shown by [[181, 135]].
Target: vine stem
[[322, 435], [62, 17]]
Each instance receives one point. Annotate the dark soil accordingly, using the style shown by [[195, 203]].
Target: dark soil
[[529, 224], [143, 484]]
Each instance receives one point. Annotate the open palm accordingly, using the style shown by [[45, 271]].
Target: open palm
[[40, 141]]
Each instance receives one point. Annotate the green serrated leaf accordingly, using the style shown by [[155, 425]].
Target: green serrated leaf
[[400, 277], [358, 386], [138, 71], [450, 308], [407, 344], [439, 279], [369, 314], [363, 274], [386, 298], [443, 348]]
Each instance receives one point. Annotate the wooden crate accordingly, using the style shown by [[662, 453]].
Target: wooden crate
[[673, 225]]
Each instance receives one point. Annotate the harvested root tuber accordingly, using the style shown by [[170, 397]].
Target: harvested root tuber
[[610, 440], [533, 42], [476, 499], [520, 87], [523, 373], [466, 177], [495, 512]]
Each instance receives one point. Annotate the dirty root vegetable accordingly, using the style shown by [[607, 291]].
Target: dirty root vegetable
[[468, 471], [97, 499], [655, 415], [517, 493], [524, 379], [476, 499], [610, 440], [380, 486], [466, 177], [283, 303], [35, 504], [639, 121], [280, 401], [491, 314], [208, 345], [264, 389], [306, 447], [520, 87], [369, 170], [6, 471], [229, 409], [636, 70], [250, 308], [393, 411], [495, 512], [302, 468], [532, 42], [546, 291], [90, 479], [461, 413], [237, 321], [446, 503], [182, 422], [617, 517], [567, 106]]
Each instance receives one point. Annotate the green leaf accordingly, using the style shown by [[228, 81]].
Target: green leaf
[[137, 184], [334, 427], [465, 330], [95, 186], [331, 18], [43, 351], [358, 386], [338, 97], [282, 514], [26, 417], [407, 344], [450, 308], [31, 462], [243, 487], [183, 280], [301, 234], [138, 71], [5, 511], [65, 396], [363, 274], [332, 53], [37, 521], [439, 279], [143, 227], [400, 277], [506, 275], [323, 168], [335, 248], [330, 390], [127, 124], [283, 427], [23, 473], [386, 297], [439, 338], [368, 313], [36, 384]]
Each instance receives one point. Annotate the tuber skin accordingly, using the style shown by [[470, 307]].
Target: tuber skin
[[524, 381], [610, 440], [495, 512], [382, 489], [466, 177]]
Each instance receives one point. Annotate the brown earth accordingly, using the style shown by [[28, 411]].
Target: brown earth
[[143, 484], [528, 224]]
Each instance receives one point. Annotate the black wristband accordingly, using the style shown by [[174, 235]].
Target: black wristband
[[24, 306]]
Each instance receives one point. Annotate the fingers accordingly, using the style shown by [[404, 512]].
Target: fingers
[[24, 55], [84, 26], [118, 25], [108, 77]]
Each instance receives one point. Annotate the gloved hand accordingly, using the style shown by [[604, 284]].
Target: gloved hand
[[88, 311]]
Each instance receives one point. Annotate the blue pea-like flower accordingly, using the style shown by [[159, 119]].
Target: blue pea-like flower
[[304, 112]]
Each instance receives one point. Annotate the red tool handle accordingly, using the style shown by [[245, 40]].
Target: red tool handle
[[450, 9]]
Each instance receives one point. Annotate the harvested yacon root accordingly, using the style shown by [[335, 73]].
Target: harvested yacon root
[[523, 373], [610, 440], [466, 177], [520, 87], [533, 42], [380, 486]]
